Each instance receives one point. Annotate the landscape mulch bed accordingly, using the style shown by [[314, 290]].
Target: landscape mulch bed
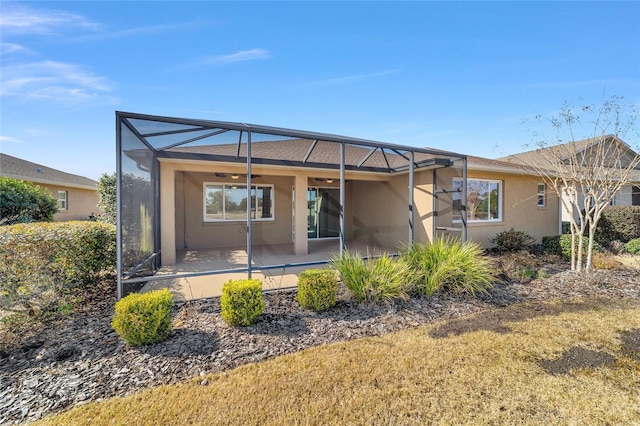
[[80, 358]]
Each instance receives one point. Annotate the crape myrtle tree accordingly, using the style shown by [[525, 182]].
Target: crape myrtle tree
[[586, 174]]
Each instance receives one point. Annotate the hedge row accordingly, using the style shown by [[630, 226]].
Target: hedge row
[[38, 258]]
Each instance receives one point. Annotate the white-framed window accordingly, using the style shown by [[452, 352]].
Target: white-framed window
[[228, 202], [542, 195], [484, 199], [63, 203]]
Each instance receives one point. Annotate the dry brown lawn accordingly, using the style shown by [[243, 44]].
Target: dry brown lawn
[[420, 376]]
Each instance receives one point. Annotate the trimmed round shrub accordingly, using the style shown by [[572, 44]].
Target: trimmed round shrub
[[241, 302], [317, 289], [633, 246], [512, 241], [143, 318]]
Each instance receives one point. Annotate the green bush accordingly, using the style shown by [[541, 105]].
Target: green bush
[[241, 302], [39, 260], [633, 246], [375, 280], [512, 241], [143, 318], [618, 223], [317, 289], [24, 202], [449, 264], [75, 251], [561, 245], [107, 198]]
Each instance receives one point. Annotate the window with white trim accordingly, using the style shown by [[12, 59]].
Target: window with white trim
[[542, 195], [484, 199], [63, 203], [228, 202]]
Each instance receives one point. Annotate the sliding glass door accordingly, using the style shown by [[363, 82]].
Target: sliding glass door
[[323, 212]]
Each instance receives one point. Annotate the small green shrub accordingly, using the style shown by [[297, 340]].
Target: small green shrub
[[512, 241], [375, 280], [241, 302], [449, 264], [317, 289], [143, 318], [524, 273], [633, 246], [561, 245]]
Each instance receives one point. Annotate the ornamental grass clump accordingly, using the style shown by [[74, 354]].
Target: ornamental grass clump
[[380, 279], [143, 318], [449, 264], [317, 289], [241, 302]]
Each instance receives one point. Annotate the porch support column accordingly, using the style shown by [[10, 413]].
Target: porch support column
[[464, 200], [300, 205], [342, 199], [168, 216], [411, 207], [249, 206]]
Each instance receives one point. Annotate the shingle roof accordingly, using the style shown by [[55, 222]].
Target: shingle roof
[[26, 170], [481, 163], [539, 156]]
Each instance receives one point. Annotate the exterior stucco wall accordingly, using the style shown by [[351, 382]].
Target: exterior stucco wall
[[519, 209], [193, 232], [81, 203], [381, 210]]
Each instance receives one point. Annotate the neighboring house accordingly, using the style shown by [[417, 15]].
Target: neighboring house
[[185, 184], [617, 152], [77, 196]]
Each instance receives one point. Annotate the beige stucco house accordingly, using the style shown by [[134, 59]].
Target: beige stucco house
[[245, 198], [77, 195]]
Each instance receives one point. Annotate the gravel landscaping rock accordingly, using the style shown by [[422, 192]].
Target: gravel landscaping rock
[[82, 359]]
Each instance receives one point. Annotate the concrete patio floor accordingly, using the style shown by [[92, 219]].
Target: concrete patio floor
[[203, 260]]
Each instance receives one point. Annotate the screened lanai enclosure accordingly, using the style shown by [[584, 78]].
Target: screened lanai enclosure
[[207, 200]]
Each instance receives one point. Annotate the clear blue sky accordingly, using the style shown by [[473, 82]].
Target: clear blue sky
[[457, 76]]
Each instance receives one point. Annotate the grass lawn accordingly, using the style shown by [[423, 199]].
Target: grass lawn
[[519, 373]]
